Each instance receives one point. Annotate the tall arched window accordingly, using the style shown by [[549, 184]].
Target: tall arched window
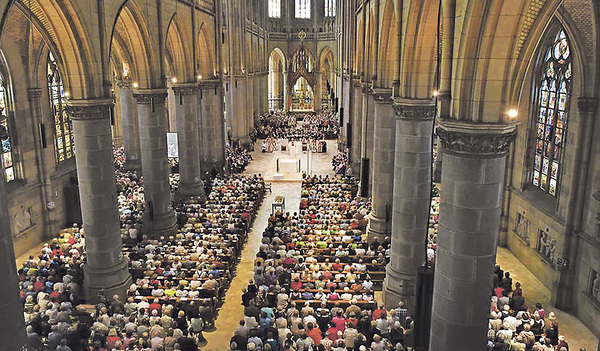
[[329, 8], [302, 8], [275, 8], [8, 159], [63, 135], [553, 103]]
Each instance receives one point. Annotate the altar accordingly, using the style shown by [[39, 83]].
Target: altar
[[288, 165]]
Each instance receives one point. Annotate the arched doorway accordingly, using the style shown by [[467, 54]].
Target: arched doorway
[[302, 82], [303, 97], [277, 76]]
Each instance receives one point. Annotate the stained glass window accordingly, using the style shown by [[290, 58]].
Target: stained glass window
[[8, 160], [275, 8], [329, 8], [302, 8], [552, 113], [63, 135]]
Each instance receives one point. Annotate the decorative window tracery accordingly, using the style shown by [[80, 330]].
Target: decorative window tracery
[[302, 8], [553, 103], [63, 134], [8, 159], [275, 8], [330, 8]]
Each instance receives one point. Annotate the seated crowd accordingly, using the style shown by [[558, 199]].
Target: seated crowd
[[313, 286], [237, 157], [178, 282], [516, 326]]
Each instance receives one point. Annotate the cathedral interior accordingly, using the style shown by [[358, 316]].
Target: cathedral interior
[[486, 107]]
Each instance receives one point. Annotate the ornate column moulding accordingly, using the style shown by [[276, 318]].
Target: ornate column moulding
[[414, 109], [123, 83], [367, 88], [208, 84], [476, 139], [382, 95], [185, 89], [89, 109], [150, 96]]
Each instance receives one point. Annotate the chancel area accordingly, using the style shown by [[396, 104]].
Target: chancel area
[[299, 175]]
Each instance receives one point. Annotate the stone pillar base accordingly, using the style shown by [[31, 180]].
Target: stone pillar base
[[207, 166], [109, 281], [377, 228], [133, 165], [194, 188], [162, 224], [355, 169], [399, 287]]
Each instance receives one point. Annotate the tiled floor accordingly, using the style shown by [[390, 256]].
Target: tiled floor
[[266, 163]]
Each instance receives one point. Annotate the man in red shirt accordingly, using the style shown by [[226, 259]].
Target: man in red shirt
[[155, 306], [314, 333]]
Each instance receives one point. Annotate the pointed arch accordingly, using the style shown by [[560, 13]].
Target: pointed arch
[[205, 51], [132, 36], [61, 27], [178, 50], [388, 47], [418, 57]]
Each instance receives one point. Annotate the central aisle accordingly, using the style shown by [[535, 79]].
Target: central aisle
[[232, 310]]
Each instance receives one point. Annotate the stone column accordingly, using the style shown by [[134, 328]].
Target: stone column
[[473, 173], [317, 91], [382, 165], [131, 127], [186, 108], [105, 270], [239, 129], [411, 199], [264, 92], [249, 103], [212, 138], [171, 110], [159, 216], [257, 95], [285, 92], [12, 324], [356, 117], [367, 133]]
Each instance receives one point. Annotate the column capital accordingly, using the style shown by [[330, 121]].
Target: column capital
[[123, 83], [207, 84], [587, 105], [356, 82], [148, 96], [185, 89], [34, 93], [382, 95], [367, 88], [476, 139], [89, 109], [414, 109]]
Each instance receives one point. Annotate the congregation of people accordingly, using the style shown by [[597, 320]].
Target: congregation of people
[[339, 162], [515, 325], [313, 286], [237, 157], [178, 281], [278, 128], [314, 279]]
